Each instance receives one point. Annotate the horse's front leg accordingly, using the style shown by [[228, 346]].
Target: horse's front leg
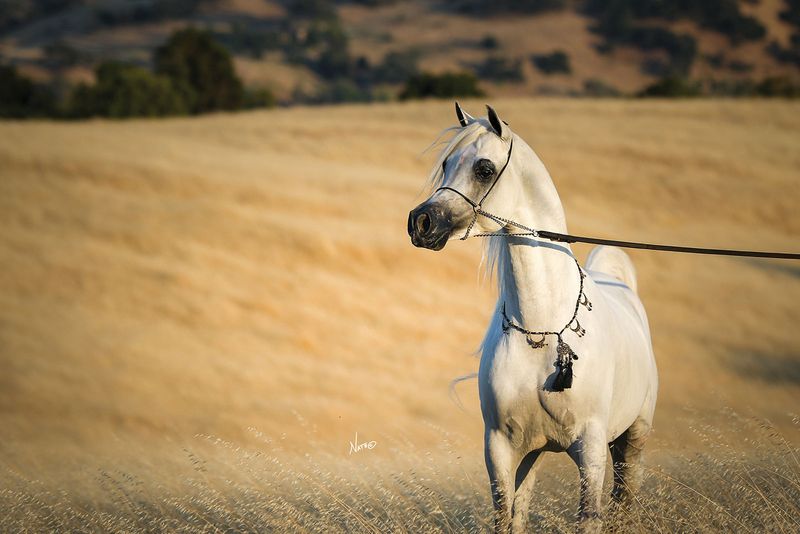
[[501, 463], [525, 479], [589, 452]]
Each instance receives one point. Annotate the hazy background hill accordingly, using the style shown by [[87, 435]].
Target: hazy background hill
[[325, 50]]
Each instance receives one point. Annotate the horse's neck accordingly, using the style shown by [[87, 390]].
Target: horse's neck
[[539, 279]]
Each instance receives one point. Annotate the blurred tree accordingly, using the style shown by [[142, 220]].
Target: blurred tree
[[672, 87], [312, 9], [201, 70], [501, 69], [396, 67], [598, 88], [445, 85], [14, 13], [556, 62], [489, 42], [20, 97], [259, 98], [493, 7], [126, 91], [780, 86], [60, 54], [615, 17]]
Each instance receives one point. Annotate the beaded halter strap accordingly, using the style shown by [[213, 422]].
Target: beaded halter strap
[[565, 354]]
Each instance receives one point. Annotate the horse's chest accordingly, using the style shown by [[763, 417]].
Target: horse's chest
[[513, 401]]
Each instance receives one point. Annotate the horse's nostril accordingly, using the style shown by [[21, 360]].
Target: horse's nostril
[[423, 223]]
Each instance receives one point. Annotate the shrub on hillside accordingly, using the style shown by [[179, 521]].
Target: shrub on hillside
[[123, 90], [599, 88], [334, 60], [489, 42], [258, 98], [556, 62], [312, 9], [340, 91], [501, 69], [789, 54], [60, 54], [778, 86], [20, 97], [617, 17], [672, 87], [396, 67], [14, 13], [496, 7], [323, 46], [681, 48], [620, 22], [251, 41], [373, 3], [791, 13], [201, 70], [142, 11], [447, 85], [769, 87]]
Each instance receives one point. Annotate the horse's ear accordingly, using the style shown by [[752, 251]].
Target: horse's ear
[[464, 118], [494, 120]]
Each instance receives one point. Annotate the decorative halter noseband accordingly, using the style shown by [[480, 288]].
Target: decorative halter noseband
[[565, 354], [476, 206]]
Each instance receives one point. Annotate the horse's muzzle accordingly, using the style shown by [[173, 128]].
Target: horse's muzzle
[[429, 226]]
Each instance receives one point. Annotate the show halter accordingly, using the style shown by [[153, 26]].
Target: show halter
[[565, 354]]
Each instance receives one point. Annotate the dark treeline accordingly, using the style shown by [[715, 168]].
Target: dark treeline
[[192, 74]]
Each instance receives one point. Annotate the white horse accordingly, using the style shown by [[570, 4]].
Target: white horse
[[567, 363]]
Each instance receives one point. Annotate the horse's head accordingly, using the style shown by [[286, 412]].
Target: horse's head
[[467, 171]]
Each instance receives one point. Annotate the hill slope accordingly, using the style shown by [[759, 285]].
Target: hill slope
[[266, 36], [164, 279]]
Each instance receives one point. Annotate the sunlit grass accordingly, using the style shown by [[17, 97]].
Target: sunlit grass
[[746, 480]]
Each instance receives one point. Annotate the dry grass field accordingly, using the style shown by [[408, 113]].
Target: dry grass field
[[198, 315]]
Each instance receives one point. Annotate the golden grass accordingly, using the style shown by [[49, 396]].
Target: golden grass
[[220, 487], [164, 280]]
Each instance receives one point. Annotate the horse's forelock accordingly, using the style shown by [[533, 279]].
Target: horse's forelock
[[460, 136]]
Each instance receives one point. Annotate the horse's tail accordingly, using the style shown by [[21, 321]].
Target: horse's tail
[[614, 262]]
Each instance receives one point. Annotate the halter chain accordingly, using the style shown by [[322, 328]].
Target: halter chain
[[565, 354]]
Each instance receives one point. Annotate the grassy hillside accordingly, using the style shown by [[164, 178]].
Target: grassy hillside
[[178, 289]]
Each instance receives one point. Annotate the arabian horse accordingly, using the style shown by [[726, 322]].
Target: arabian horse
[[567, 363]]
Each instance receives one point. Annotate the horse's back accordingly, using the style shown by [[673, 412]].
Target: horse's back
[[614, 262], [635, 376]]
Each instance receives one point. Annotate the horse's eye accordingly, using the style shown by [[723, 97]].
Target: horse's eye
[[484, 169]]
